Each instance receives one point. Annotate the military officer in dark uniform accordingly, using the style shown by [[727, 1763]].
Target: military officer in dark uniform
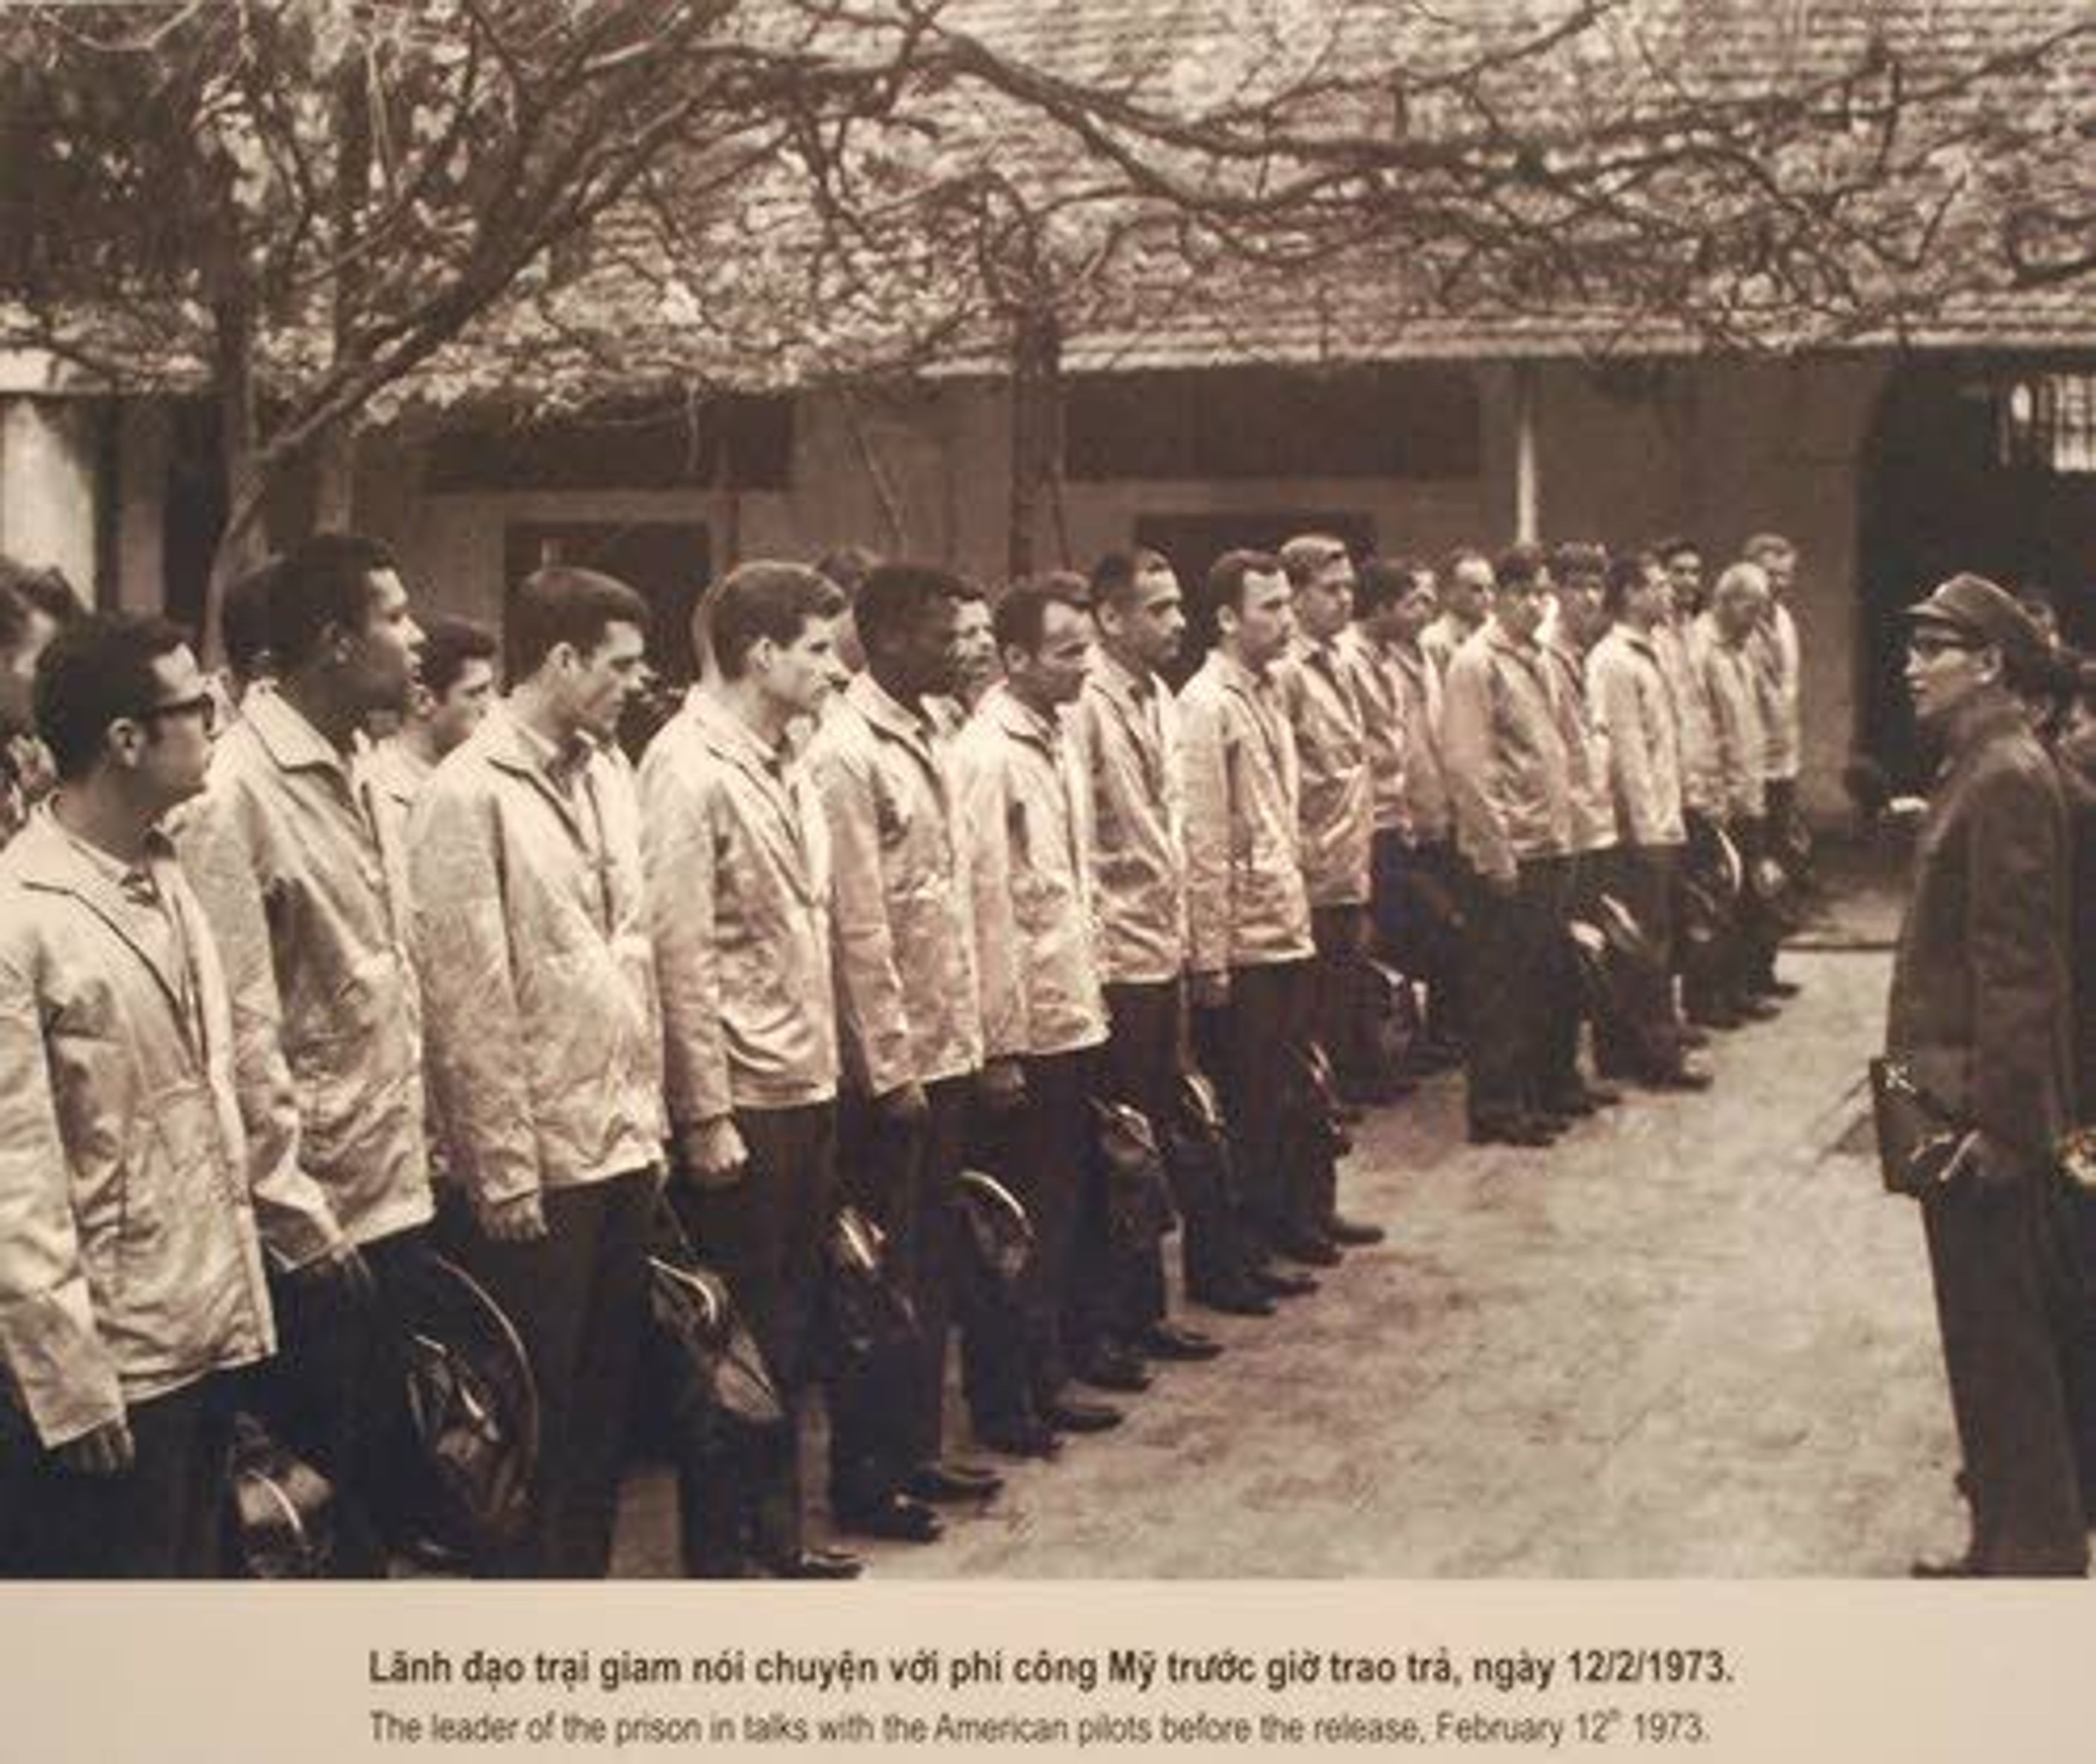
[[1979, 1014]]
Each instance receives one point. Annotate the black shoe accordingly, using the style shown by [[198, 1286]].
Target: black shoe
[[1689, 1035], [1309, 1247], [1570, 1105], [1773, 988], [1173, 1341], [1074, 1414], [1113, 1368], [1965, 1567], [1519, 1130], [1716, 1017], [1348, 1112], [941, 1482], [1234, 1301], [1284, 1282], [1353, 1234], [1756, 1010], [1027, 1438], [895, 1517], [1683, 1078], [817, 1564], [1604, 1096]]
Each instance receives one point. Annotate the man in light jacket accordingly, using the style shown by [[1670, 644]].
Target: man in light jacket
[[1633, 705], [131, 1277], [738, 857], [909, 1026], [1127, 731], [1738, 604], [1510, 778], [533, 933], [1248, 937], [300, 868]]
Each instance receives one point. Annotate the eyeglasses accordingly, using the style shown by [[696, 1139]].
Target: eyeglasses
[[203, 704]]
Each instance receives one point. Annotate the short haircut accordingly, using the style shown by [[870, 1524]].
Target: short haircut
[[1114, 576], [244, 619], [1228, 573], [1626, 575], [48, 589], [561, 604], [449, 644], [321, 584], [97, 669], [1673, 545], [1385, 581], [1307, 554], [848, 566], [896, 597], [1765, 545], [1518, 566], [1579, 557], [1460, 555], [763, 599], [1022, 611], [1740, 578]]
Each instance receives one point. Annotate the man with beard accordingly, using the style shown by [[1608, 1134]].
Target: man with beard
[[1980, 1017], [303, 876]]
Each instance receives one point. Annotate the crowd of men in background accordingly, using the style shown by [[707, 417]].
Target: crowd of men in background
[[908, 885]]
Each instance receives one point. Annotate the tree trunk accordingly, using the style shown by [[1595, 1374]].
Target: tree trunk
[[243, 542], [335, 479], [1037, 439]]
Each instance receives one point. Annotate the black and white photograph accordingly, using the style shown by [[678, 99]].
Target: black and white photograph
[[1007, 790]]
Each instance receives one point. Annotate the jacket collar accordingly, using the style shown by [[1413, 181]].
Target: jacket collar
[[731, 739], [1020, 721], [1110, 675], [293, 743], [1982, 721], [1238, 678], [889, 714], [45, 856]]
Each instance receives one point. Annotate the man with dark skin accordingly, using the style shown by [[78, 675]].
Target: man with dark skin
[[909, 1028]]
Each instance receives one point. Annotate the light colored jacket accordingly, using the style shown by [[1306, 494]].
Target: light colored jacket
[[738, 858], [1247, 906], [1430, 817], [1634, 705], [397, 773], [1508, 775], [1028, 818], [1741, 743], [1773, 648], [1442, 638], [908, 1010], [301, 873], [129, 1264], [1380, 691], [1127, 736], [1679, 649], [1337, 800], [1586, 747], [532, 932]]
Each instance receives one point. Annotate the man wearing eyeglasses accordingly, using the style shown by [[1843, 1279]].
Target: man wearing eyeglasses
[[301, 870], [131, 1279], [1981, 1015]]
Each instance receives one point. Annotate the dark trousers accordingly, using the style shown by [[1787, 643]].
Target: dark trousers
[[1041, 1151], [886, 1421], [1760, 935], [578, 1297], [1520, 975], [1642, 1039], [1143, 1054], [1411, 930], [336, 1394], [1337, 1012], [1248, 1047], [765, 1233], [162, 1519], [1562, 997], [1998, 1260]]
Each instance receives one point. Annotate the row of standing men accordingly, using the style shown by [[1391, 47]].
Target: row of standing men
[[832, 939]]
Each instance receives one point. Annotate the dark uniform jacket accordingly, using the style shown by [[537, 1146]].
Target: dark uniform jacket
[[1980, 1000]]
